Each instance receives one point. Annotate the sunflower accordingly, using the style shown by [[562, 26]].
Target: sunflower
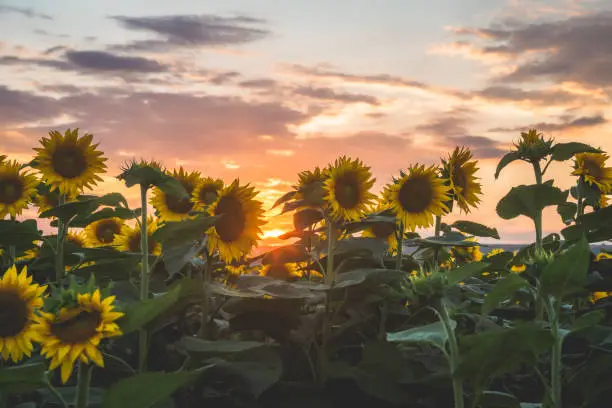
[[69, 163], [77, 238], [468, 253], [460, 170], [237, 229], [29, 254], [311, 187], [103, 232], [128, 239], [602, 255], [16, 188], [76, 332], [237, 270], [206, 193], [494, 252], [383, 230], [347, 188], [518, 268], [417, 197], [19, 299], [596, 296], [591, 166], [170, 207], [281, 271]]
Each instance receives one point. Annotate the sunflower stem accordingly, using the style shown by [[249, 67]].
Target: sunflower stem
[[453, 354], [144, 276], [537, 169], [400, 247], [205, 303], [59, 255], [83, 381], [556, 364], [437, 231], [330, 277]]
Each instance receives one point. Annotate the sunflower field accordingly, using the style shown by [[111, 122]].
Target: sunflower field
[[115, 307]]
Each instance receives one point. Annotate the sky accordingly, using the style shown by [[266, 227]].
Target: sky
[[263, 89]]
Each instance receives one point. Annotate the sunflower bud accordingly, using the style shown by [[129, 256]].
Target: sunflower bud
[[532, 146]]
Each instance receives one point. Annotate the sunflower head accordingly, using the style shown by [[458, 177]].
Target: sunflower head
[[144, 173], [466, 254], [383, 230], [518, 268], [69, 163], [602, 255], [591, 167], [532, 146], [75, 332], [417, 196], [347, 189], [460, 170], [281, 271], [19, 301], [17, 187], [129, 238], [239, 222], [77, 238], [173, 208], [206, 193], [103, 232], [597, 296], [311, 187], [495, 252]]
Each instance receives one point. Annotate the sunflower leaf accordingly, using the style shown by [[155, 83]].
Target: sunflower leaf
[[503, 290], [23, 378], [433, 334], [567, 273], [84, 206], [529, 200], [506, 160], [83, 220], [466, 271], [565, 151], [476, 229], [306, 218], [20, 234], [284, 198], [176, 233], [567, 211]]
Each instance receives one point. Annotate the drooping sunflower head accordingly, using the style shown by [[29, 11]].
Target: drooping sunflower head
[[19, 301], [69, 163], [281, 271], [347, 189], [76, 331], [129, 238], [311, 187], [103, 232], [460, 170], [206, 193], [592, 168], [238, 227], [17, 187], [417, 196], [170, 207], [383, 230]]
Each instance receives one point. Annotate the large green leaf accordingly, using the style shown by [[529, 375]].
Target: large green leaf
[[182, 232], [529, 200], [23, 377], [567, 211], [565, 151], [146, 389], [503, 291], [567, 273], [432, 334], [506, 160], [306, 217], [19, 234], [495, 399], [466, 271], [206, 348], [476, 229], [81, 221], [84, 206]]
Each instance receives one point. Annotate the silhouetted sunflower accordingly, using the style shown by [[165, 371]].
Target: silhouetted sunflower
[[348, 189], [16, 188], [75, 333], [417, 197], [237, 229], [206, 193], [383, 230], [460, 170], [69, 163], [103, 232], [19, 300], [592, 167], [311, 187], [129, 239], [171, 208]]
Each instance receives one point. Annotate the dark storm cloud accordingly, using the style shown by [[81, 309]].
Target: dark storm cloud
[[24, 11], [328, 94], [569, 123], [191, 30]]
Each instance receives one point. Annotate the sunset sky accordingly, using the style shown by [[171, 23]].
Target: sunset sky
[[262, 89]]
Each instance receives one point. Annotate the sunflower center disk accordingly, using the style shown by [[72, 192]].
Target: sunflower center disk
[[593, 169], [69, 161], [11, 190], [232, 221], [459, 178], [416, 195], [77, 329], [208, 195], [383, 229], [347, 191], [13, 314], [106, 232], [178, 205]]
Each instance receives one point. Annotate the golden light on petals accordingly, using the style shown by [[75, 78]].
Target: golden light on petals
[[347, 189], [69, 163], [461, 170], [171, 208], [281, 271], [592, 167], [206, 193], [103, 232], [17, 187], [129, 238]]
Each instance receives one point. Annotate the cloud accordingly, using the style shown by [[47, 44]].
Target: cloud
[[259, 83], [328, 94], [19, 107], [223, 77], [481, 146], [105, 61], [574, 49], [53, 50], [569, 123], [452, 123], [191, 30], [24, 11], [546, 97]]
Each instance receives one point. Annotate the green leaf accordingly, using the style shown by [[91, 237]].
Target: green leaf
[[182, 232], [588, 320], [567, 211], [565, 151], [503, 290], [495, 399], [84, 206], [284, 198], [145, 390], [205, 348], [19, 234], [567, 272], [466, 271], [529, 200], [306, 217], [506, 160], [432, 334], [476, 229], [81, 221], [23, 377]]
